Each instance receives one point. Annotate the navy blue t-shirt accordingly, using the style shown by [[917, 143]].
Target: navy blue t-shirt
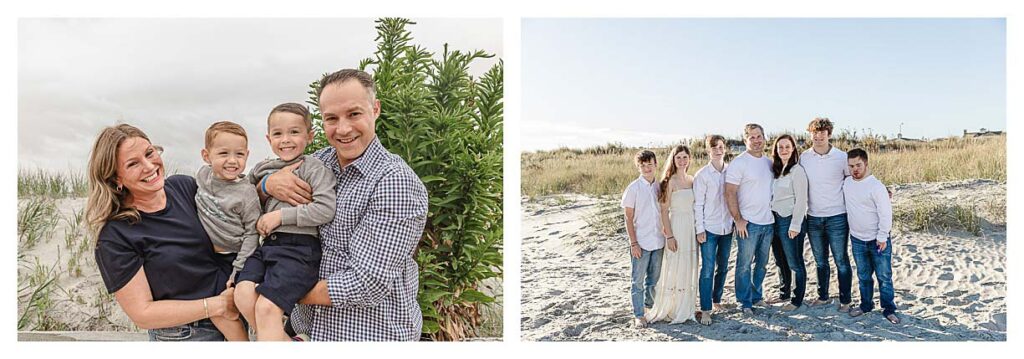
[[170, 244]]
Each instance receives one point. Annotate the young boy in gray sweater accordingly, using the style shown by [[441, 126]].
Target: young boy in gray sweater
[[228, 205], [287, 265]]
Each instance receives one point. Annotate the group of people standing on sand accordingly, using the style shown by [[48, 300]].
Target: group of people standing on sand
[[769, 203]]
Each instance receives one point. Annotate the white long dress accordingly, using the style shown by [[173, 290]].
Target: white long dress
[[675, 296]]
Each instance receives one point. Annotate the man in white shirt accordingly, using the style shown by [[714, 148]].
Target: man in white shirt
[[748, 193], [870, 215], [713, 226], [827, 225], [643, 224]]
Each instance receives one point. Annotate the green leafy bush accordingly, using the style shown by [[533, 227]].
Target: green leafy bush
[[447, 126]]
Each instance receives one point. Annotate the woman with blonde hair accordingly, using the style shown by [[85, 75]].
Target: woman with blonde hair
[[151, 249], [676, 297]]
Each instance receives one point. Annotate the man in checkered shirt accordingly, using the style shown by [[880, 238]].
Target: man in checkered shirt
[[369, 278]]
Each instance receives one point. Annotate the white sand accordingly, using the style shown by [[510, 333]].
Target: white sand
[[79, 302], [949, 286]]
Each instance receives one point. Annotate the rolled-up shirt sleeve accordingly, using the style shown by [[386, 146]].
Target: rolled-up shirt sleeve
[[118, 261], [382, 243]]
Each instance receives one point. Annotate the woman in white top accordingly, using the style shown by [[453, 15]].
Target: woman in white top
[[789, 206], [676, 292]]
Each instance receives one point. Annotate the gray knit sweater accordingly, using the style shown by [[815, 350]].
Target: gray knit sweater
[[304, 218], [229, 211]]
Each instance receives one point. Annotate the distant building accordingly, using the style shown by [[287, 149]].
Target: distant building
[[981, 133], [735, 146]]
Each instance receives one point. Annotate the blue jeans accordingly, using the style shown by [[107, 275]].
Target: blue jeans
[[199, 331], [646, 271], [753, 250], [831, 233], [794, 252], [871, 261], [714, 265]]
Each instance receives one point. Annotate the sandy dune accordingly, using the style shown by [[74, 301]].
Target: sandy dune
[[79, 302], [950, 285]]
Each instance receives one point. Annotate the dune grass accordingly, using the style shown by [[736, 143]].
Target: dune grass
[[34, 183], [77, 242], [37, 219], [607, 170], [928, 214], [35, 296]]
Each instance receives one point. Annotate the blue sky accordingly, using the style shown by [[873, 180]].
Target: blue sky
[[654, 81]]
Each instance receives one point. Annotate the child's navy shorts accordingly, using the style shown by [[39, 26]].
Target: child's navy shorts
[[286, 267]]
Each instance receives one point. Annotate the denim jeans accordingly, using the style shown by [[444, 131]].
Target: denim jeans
[[714, 265], [782, 265], [871, 261], [825, 234], [794, 252], [646, 271], [199, 331], [753, 250]]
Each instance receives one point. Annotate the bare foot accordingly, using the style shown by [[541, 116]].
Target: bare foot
[[789, 307], [893, 319], [724, 306], [640, 323], [705, 318]]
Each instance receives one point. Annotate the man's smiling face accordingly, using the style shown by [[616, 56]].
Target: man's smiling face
[[350, 117]]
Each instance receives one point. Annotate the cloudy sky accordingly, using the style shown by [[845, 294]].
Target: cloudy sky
[[589, 82], [174, 77]]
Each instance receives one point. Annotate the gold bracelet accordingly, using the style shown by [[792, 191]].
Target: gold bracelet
[[206, 308]]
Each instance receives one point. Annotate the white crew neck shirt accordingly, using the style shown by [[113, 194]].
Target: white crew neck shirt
[[868, 209], [754, 177]]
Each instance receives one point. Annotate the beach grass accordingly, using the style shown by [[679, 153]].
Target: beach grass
[[608, 219], [36, 297], [77, 242], [929, 214], [607, 170], [37, 219], [38, 182]]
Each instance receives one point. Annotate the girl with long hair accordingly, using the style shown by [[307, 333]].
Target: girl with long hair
[[676, 297]]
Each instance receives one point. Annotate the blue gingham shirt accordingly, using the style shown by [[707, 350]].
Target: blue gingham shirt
[[372, 277]]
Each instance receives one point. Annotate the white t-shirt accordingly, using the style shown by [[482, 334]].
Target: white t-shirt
[[825, 174], [754, 176], [642, 197], [868, 209], [709, 207]]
